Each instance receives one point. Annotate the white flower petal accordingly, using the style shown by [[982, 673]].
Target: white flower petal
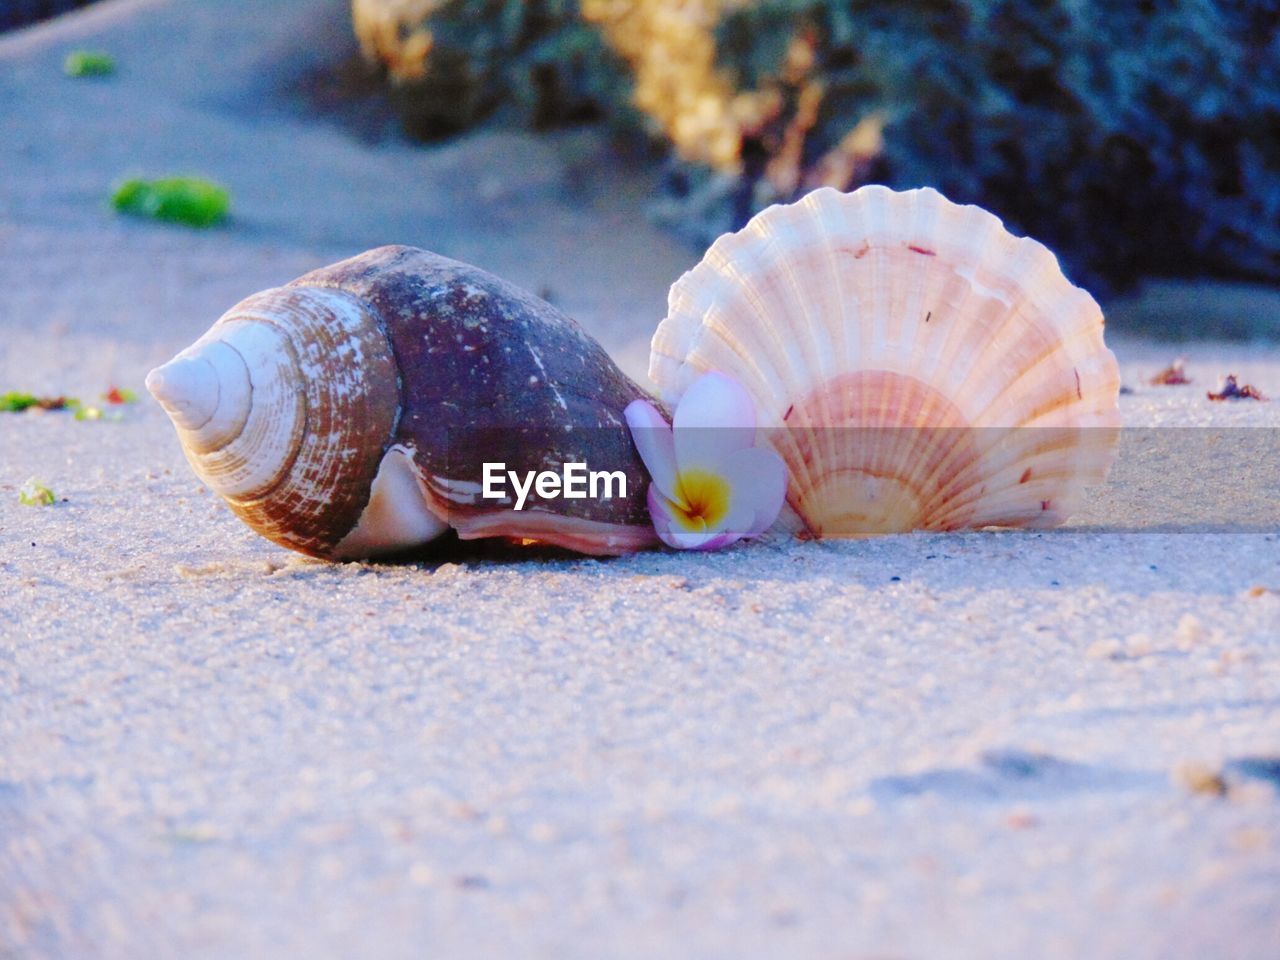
[[719, 541], [656, 446], [714, 418], [742, 510], [669, 528], [758, 480]]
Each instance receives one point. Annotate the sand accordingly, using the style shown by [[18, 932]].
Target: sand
[[981, 745]]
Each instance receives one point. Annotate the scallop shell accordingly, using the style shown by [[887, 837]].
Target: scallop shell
[[915, 364], [350, 413]]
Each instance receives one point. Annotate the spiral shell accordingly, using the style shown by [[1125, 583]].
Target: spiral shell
[[915, 364], [349, 413]]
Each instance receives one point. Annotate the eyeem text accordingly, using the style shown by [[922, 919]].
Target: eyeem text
[[573, 482]]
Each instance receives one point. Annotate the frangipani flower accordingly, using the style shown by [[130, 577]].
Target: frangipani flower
[[711, 485]]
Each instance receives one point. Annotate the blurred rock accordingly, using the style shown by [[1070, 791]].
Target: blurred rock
[[450, 62], [1134, 140]]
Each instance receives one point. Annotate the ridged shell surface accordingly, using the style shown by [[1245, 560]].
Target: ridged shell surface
[[351, 412], [915, 364], [490, 373], [283, 408]]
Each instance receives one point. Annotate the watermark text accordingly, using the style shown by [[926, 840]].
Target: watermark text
[[573, 482]]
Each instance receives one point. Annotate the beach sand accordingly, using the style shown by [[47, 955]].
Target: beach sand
[[986, 745]]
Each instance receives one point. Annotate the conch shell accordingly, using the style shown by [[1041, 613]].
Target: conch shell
[[349, 413], [915, 365]]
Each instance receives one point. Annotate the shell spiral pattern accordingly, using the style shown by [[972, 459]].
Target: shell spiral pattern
[[915, 364], [350, 413]]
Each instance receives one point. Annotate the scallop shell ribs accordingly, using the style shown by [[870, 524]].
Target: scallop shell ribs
[[915, 364]]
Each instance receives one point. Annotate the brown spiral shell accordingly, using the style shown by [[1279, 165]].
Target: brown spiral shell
[[350, 413]]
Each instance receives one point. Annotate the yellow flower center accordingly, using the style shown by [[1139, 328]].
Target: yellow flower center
[[706, 497]]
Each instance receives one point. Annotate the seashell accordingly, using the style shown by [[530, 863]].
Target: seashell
[[915, 364], [349, 413]]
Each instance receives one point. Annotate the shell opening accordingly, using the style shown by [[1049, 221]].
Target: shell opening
[[398, 515]]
